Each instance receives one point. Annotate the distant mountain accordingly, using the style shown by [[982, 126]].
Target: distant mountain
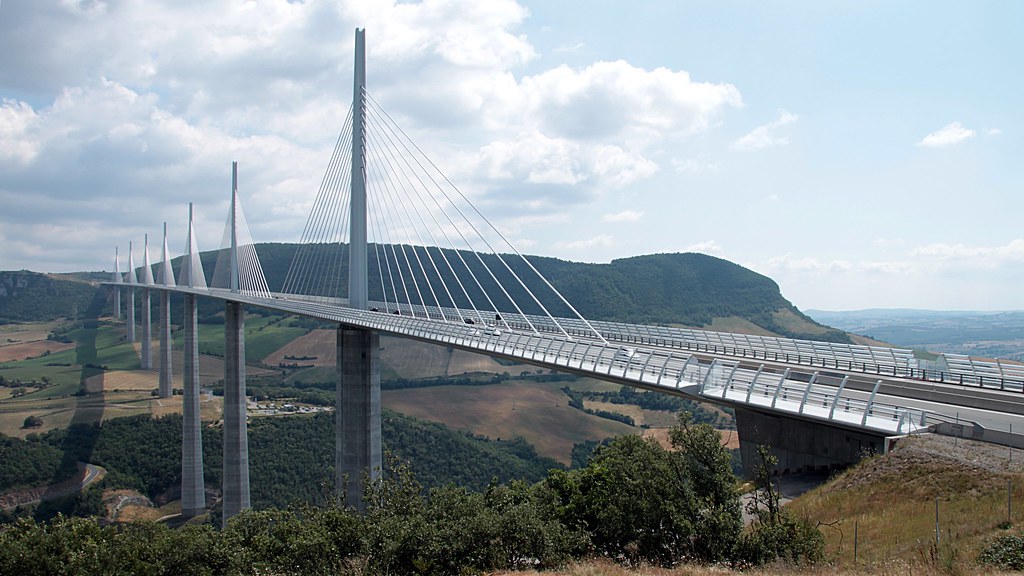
[[992, 334], [668, 289]]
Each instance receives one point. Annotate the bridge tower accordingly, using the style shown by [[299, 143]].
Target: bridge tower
[[147, 307], [235, 490], [193, 488], [357, 425], [117, 280], [165, 277], [131, 294]]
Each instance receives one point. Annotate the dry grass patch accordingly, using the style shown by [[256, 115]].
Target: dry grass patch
[[126, 380], [462, 362], [26, 350], [319, 347], [891, 500], [62, 412], [737, 325], [537, 412], [791, 321], [652, 418]]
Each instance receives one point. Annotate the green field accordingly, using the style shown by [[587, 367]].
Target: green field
[[263, 335]]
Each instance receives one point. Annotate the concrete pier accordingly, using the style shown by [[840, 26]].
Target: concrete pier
[[117, 303], [235, 492], [165, 344], [147, 331], [193, 487], [357, 425], [131, 315]]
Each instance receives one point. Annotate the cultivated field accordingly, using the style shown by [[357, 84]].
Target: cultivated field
[[539, 412]]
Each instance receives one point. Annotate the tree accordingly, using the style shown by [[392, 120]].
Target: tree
[[32, 422], [708, 466], [776, 534]]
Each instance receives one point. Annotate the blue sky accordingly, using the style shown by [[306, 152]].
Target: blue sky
[[862, 154]]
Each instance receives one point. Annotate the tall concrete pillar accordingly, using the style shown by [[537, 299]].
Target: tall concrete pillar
[[131, 314], [117, 302], [235, 496], [193, 488], [147, 331], [357, 424], [165, 344]]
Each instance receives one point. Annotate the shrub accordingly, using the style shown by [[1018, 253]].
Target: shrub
[[1006, 552]]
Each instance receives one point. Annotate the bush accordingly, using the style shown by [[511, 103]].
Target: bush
[[1006, 552], [32, 422]]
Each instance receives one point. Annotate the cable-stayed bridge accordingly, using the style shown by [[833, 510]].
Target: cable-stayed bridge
[[393, 246]]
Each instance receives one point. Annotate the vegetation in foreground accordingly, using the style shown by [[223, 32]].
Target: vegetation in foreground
[[634, 502]]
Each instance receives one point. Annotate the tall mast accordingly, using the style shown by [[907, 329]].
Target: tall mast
[[357, 258], [234, 227]]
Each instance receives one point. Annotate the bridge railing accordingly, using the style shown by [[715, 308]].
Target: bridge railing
[[876, 360], [758, 388], [663, 368]]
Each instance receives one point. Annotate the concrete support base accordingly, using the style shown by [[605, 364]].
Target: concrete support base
[[235, 492], [357, 425], [117, 303], [147, 331], [165, 344], [801, 445], [131, 315], [193, 487]]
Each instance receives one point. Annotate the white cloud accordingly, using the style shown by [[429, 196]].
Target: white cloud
[[706, 247], [17, 119], [567, 48], [624, 216], [602, 240], [160, 96], [919, 261], [700, 164], [949, 135], [994, 131], [764, 136], [973, 256]]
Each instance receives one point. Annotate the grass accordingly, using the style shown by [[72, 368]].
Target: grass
[[890, 502], [737, 325], [263, 336], [788, 320], [653, 418]]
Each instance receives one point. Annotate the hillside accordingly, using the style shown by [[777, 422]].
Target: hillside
[[33, 297], [690, 289]]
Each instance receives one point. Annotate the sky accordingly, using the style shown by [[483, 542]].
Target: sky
[[862, 154]]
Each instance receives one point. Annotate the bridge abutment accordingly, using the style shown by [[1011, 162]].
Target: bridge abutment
[[802, 445], [235, 491], [357, 425], [193, 487]]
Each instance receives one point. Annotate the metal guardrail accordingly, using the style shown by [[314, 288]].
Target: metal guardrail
[[728, 381], [871, 360]]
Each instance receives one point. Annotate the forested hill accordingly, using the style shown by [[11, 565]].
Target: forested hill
[[668, 289], [29, 296], [690, 289]]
